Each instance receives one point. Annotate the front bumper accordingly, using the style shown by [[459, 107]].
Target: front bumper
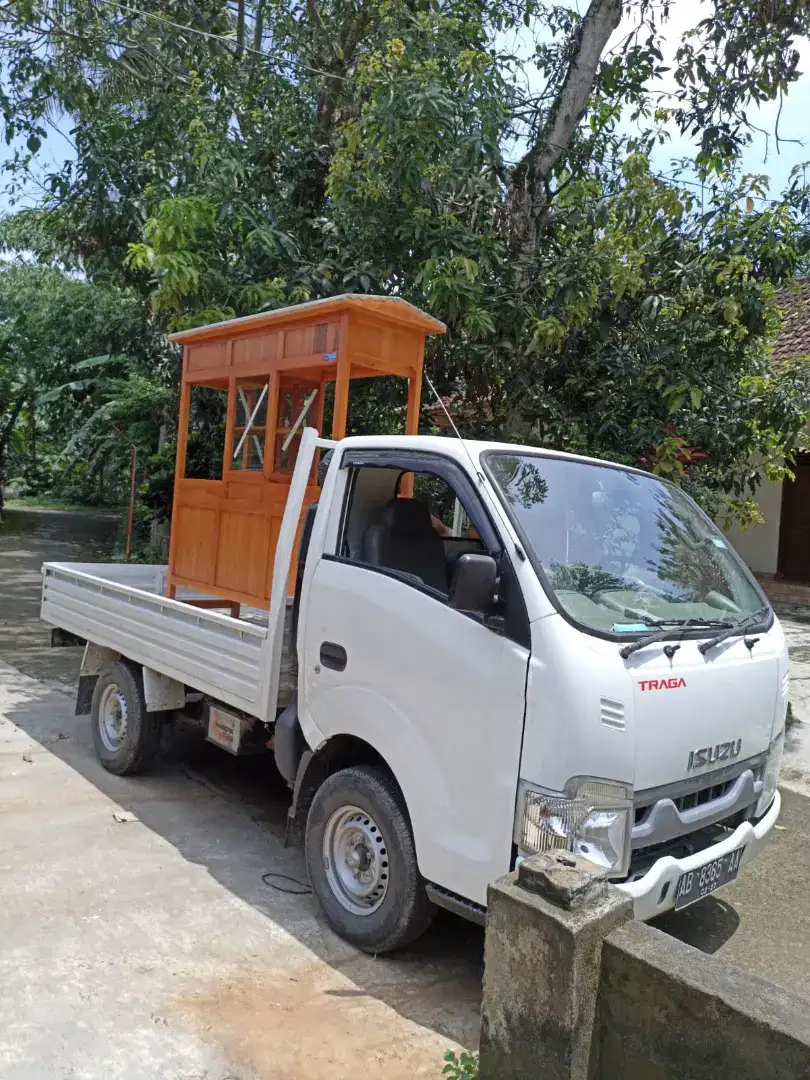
[[654, 893]]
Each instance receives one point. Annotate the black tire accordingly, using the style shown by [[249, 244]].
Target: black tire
[[141, 738], [405, 912]]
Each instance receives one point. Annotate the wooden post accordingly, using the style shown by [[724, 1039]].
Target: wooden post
[[179, 467], [316, 421], [340, 412], [415, 393], [412, 414], [272, 425], [230, 424]]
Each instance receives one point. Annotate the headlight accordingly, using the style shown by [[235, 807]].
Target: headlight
[[770, 774], [595, 821]]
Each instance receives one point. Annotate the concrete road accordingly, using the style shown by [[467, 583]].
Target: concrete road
[[154, 948], [762, 921], [27, 539]]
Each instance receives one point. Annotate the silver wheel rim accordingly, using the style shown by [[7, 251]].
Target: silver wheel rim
[[112, 718], [355, 857]]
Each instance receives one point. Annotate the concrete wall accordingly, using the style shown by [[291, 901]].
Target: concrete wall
[[759, 545], [669, 1012], [575, 990]]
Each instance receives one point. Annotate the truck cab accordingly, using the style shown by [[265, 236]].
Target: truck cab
[[583, 663]]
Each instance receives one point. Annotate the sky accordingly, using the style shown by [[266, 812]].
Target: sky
[[762, 156]]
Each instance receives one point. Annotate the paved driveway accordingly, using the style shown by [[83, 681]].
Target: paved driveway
[[152, 948]]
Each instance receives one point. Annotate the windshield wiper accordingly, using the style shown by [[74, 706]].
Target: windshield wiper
[[737, 628], [676, 627]]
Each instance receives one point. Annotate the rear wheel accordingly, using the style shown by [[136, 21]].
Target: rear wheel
[[361, 860], [126, 737]]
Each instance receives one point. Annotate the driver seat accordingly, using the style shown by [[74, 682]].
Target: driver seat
[[404, 539]]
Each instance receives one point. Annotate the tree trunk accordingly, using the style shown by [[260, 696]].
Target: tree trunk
[[334, 60], [240, 27], [5, 434], [32, 430], [258, 28], [529, 189]]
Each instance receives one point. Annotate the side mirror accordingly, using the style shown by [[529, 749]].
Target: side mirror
[[473, 587]]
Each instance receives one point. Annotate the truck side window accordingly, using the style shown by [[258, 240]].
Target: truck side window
[[418, 536], [421, 538]]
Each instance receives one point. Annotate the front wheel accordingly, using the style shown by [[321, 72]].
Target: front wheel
[[126, 737], [362, 864]]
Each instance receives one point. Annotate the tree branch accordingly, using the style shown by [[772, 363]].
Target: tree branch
[[529, 194]]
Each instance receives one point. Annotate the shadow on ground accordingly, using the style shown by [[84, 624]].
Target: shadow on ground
[[708, 926], [228, 816]]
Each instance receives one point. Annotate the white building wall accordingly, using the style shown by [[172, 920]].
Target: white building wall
[[759, 545]]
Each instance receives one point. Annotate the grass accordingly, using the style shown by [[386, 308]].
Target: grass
[[464, 1067], [42, 502]]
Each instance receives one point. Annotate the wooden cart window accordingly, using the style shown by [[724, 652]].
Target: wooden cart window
[[208, 409], [250, 425], [296, 401]]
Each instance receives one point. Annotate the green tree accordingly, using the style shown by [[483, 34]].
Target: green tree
[[233, 158], [73, 355]]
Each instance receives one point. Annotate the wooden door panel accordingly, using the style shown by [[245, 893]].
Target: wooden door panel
[[242, 553], [196, 541], [794, 528]]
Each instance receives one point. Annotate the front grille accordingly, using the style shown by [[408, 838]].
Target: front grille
[[701, 795], [680, 848], [691, 799]]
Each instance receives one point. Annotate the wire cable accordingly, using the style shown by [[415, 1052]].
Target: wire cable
[[303, 886]]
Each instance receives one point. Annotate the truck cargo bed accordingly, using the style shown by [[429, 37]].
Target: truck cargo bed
[[123, 607]]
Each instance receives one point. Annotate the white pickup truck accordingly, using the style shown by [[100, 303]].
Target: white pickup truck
[[580, 661]]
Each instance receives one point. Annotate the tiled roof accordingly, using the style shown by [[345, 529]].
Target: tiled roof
[[794, 341]]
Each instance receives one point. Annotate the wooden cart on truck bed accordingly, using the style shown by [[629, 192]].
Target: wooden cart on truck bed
[[218, 619]]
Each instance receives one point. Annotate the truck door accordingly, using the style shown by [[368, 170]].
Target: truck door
[[438, 693]]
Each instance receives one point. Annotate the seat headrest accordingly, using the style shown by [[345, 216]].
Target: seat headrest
[[407, 516]]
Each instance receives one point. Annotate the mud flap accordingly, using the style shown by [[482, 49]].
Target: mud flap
[[307, 780], [84, 694]]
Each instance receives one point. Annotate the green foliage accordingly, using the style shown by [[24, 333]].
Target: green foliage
[[77, 361], [367, 147], [585, 579], [463, 1067]]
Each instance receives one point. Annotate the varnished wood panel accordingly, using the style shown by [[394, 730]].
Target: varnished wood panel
[[314, 339], [207, 357], [387, 350], [242, 553], [390, 310], [258, 352], [196, 529]]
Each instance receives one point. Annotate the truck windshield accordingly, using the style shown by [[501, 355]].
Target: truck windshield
[[622, 551]]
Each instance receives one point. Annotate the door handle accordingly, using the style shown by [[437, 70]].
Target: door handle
[[333, 656]]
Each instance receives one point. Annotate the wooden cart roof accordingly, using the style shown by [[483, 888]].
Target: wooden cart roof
[[390, 308]]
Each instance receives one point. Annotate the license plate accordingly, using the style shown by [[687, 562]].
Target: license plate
[[695, 884], [226, 729]]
